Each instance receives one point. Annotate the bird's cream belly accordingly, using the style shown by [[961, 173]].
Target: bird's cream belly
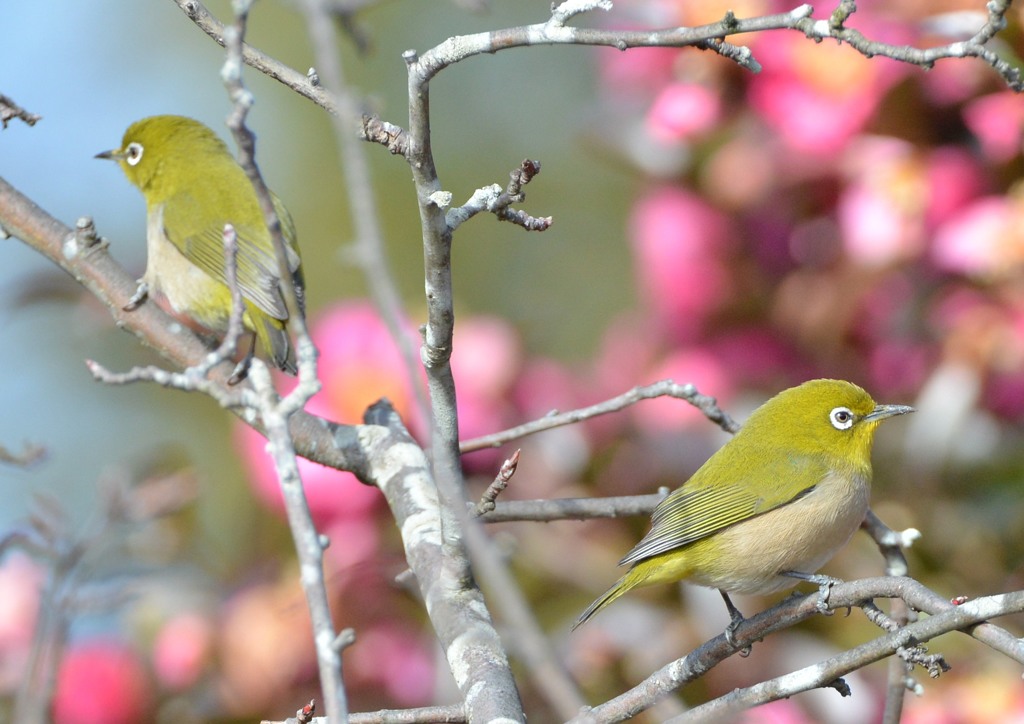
[[188, 289], [801, 536]]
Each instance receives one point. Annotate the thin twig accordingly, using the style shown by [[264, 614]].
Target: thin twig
[[369, 248], [493, 199], [944, 618], [547, 510], [29, 456], [500, 482], [891, 545], [664, 388], [271, 67], [451, 714], [9, 109], [276, 411]]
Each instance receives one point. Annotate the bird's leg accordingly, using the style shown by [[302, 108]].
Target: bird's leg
[[824, 584], [141, 292], [242, 368], [736, 618]]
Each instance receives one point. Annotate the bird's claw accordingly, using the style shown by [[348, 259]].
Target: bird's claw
[[824, 584], [735, 619], [824, 590], [141, 292], [241, 371], [730, 636]]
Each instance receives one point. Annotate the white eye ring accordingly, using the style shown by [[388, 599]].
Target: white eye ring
[[133, 154], [841, 418]]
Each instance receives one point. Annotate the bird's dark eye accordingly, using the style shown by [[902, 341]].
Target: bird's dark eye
[[133, 154], [841, 418]]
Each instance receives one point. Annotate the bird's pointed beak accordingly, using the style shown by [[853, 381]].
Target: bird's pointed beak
[[883, 411], [115, 155]]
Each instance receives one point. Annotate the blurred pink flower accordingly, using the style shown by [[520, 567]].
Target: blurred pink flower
[[690, 366], [881, 209], [986, 239], [360, 362], [21, 580], [101, 682], [960, 307], [640, 70], [817, 96], [265, 646], [1004, 395], [950, 83], [783, 711], [954, 178], [546, 385], [683, 110], [353, 540], [876, 230], [394, 659], [898, 367], [680, 242], [758, 357], [985, 695], [331, 494], [998, 121], [181, 650], [487, 357]]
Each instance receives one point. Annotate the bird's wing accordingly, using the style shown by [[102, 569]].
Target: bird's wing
[[202, 244], [710, 501]]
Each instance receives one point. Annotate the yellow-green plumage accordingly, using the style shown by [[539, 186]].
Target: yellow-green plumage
[[193, 186], [783, 495]]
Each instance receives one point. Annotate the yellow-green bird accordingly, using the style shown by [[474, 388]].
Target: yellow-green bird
[[193, 186], [773, 505]]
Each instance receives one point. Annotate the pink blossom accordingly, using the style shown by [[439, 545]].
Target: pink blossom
[[954, 178], [360, 362], [353, 540], [783, 711], [997, 120], [486, 356], [877, 230], [757, 357], [898, 367], [984, 239], [265, 646], [689, 366], [21, 580], [881, 209], [181, 650], [101, 682], [683, 110], [950, 83], [486, 359], [817, 96], [641, 69], [1004, 395], [546, 385], [679, 242], [331, 494], [394, 659]]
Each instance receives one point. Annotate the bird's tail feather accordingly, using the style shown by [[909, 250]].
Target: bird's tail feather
[[624, 584]]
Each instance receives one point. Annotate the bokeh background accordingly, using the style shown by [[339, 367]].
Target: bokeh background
[[832, 216]]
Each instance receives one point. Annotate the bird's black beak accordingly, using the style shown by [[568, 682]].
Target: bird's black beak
[[115, 155]]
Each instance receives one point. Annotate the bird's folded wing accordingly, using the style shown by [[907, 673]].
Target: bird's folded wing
[[707, 503], [201, 241]]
